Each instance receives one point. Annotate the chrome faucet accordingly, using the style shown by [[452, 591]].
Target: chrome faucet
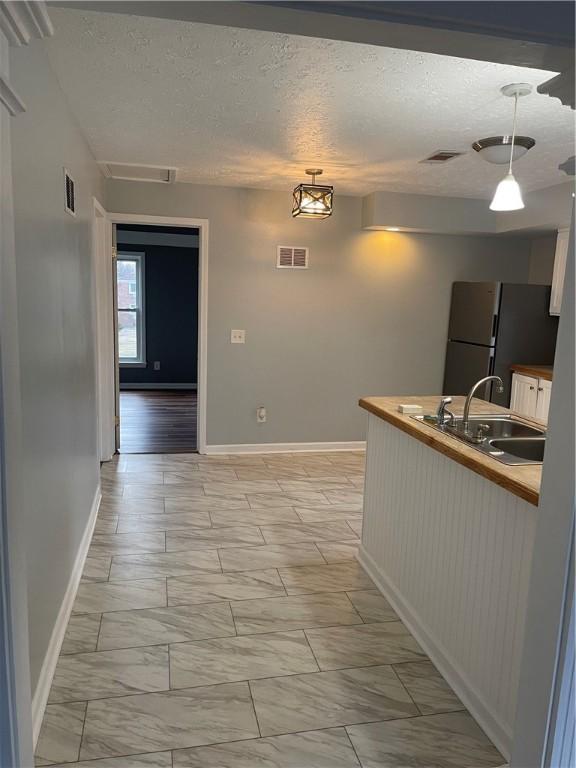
[[442, 412], [470, 395]]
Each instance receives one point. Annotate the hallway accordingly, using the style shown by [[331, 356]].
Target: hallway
[[223, 622], [158, 421]]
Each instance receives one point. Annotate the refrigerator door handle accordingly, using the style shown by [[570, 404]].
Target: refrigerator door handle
[[494, 327], [492, 361]]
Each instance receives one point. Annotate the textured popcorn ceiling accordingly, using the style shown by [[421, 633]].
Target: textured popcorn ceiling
[[249, 108]]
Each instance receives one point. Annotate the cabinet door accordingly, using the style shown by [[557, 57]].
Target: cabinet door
[[559, 270], [543, 399], [524, 395]]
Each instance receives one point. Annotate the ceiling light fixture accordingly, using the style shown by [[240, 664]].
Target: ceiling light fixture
[[496, 149], [313, 201], [392, 229], [508, 196]]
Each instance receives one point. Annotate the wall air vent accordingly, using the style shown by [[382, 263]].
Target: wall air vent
[[134, 172], [441, 156], [69, 193], [292, 257]]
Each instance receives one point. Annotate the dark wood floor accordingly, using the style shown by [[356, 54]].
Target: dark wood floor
[[157, 421]]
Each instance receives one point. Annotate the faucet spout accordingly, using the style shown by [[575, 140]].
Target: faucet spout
[[470, 395]]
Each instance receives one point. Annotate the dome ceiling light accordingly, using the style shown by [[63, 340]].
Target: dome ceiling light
[[496, 149], [313, 201], [508, 195]]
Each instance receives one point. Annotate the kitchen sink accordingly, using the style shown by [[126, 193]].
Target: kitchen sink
[[504, 437], [523, 449], [492, 427]]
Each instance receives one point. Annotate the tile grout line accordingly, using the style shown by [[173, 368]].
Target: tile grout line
[[321, 555], [254, 708], [82, 733], [311, 650], [406, 689], [99, 630], [360, 763], [220, 561]]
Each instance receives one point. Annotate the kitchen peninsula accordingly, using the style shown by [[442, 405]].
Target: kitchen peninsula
[[448, 537]]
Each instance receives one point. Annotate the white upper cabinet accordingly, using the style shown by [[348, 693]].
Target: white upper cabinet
[[559, 269]]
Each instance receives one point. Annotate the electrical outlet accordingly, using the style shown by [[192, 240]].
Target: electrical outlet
[[237, 337], [156, 365], [261, 414]]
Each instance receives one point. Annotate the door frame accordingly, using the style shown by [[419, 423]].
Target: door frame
[[203, 227], [102, 283]]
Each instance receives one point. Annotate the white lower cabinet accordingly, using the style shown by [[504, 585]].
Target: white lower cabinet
[[543, 401], [530, 396]]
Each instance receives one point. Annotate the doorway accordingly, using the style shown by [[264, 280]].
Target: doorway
[[157, 338], [165, 414]]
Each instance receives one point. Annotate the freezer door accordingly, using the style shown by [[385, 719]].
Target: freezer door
[[465, 365], [474, 313]]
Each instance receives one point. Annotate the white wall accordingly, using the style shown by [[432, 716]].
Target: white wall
[[53, 279], [15, 697], [550, 577], [369, 317]]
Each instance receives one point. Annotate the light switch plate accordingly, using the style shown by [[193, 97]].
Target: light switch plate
[[237, 337]]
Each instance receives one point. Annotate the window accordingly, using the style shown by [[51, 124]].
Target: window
[[130, 292]]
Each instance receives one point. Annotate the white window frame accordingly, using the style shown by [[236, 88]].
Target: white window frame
[[139, 258]]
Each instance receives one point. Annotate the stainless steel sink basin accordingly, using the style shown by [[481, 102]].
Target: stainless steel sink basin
[[504, 438], [523, 449], [492, 427]]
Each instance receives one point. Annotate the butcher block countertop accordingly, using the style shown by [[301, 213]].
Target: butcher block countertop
[[523, 481], [538, 371]]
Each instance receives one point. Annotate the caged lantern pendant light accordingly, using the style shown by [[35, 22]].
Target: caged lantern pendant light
[[508, 196], [312, 201]]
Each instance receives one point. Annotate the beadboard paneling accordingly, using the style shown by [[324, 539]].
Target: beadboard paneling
[[453, 552]]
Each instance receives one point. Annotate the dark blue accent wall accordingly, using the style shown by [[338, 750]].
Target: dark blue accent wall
[[171, 309]]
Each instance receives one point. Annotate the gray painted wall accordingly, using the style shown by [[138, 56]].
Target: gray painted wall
[[368, 317], [542, 251], [53, 252]]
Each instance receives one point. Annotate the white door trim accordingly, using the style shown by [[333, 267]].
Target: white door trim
[[202, 225], [103, 330]]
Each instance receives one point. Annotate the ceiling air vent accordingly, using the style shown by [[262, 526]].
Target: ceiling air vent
[[134, 172], [291, 257], [69, 194], [442, 156]]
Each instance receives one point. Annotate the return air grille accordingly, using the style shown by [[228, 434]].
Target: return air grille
[[292, 257], [133, 172], [69, 193], [441, 156]]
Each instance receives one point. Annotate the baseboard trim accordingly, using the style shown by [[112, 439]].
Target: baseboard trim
[[161, 385], [40, 697], [359, 445], [500, 736]]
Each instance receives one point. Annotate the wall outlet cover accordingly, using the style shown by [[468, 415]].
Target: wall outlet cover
[[156, 365], [237, 337], [261, 414]]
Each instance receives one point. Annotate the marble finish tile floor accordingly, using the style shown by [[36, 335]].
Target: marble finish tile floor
[[223, 621]]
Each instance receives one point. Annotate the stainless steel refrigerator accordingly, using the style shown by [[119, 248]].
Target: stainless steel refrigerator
[[492, 326]]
